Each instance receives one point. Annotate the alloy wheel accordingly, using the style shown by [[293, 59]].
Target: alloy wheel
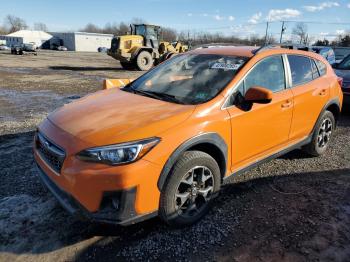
[[194, 191], [324, 133]]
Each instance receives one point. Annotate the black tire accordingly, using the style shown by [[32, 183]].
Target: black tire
[[144, 61], [169, 55], [322, 135], [197, 199], [166, 56], [128, 65]]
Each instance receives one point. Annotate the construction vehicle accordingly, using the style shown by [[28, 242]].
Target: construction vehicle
[[142, 48]]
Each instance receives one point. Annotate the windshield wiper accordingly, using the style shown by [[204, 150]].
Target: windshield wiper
[[130, 88], [152, 94], [165, 96]]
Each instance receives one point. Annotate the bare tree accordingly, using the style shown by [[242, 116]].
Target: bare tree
[[324, 42], [91, 28], [168, 34], [40, 27], [300, 30], [14, 23], [115, 29], [3, 30], [123, 29]]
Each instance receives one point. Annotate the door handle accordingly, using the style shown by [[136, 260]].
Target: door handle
[[287, 104]]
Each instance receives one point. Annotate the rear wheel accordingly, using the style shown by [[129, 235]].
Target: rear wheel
[[144, 61], [128, 65], [188, 193], [322, 135]]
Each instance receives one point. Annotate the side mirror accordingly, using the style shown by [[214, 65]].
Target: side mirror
[[259, 95]]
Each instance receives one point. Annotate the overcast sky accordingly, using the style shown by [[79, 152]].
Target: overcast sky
[[239, 17]]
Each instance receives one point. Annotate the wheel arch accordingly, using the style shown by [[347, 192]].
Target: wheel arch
[[334, 107], [211, 143]]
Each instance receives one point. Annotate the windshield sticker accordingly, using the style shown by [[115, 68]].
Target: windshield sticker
[[201, 95], [225, 66]]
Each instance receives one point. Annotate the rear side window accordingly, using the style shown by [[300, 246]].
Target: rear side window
[[269, 73], [322, 68], [315, 73], [300, 67]]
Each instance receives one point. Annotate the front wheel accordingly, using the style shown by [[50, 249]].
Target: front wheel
[[322, 135], [144, 61], [190, 188]]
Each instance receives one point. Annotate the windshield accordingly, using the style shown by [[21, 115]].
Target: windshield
[[345, 64], [189, 79], [140, 30]]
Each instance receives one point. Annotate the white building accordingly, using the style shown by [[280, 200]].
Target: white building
[[81, 41], [39, 38]]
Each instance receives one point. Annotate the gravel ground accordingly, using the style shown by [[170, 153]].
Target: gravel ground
[[294, 208]]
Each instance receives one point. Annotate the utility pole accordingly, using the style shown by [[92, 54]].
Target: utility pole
[[267, 29], [282, 31]]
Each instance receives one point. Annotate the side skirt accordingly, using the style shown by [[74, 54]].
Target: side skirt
[[271, 157]]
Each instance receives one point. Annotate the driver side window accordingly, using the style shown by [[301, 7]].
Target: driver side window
[[268, 73]]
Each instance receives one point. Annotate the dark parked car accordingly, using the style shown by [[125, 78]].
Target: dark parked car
[[343, 70], [341, 53], [17, 50], [102, 49], [326, 52]]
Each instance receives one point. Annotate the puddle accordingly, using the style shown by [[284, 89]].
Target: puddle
[[41, 71], [18, 106], [21, 70]]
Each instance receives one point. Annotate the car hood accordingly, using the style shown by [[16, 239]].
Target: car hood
[[115, 116]]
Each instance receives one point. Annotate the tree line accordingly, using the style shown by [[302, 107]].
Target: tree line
[[13, 23], [299, 33]]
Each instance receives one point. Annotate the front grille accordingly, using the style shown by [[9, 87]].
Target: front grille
[[51, 153]]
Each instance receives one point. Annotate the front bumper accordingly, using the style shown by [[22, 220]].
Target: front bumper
[[123, 213], [120, 55], [113, 194]]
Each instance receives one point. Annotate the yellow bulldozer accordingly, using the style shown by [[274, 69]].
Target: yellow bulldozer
[[142, 48]]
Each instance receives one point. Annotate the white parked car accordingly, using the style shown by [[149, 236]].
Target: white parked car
[[62, 48], [4, 47], [30, 47]]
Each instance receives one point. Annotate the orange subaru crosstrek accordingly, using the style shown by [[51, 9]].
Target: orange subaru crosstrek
[[164, 143]]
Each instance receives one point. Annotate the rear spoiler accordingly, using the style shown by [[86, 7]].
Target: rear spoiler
[[119, 83]]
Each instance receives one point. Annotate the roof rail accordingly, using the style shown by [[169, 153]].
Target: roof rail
[[286, 46], [297, 47], [265, 47]]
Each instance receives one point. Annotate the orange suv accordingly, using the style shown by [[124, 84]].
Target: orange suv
[[164, 143]]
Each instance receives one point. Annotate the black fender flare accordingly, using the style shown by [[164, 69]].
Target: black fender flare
[[213, 139], [331, 102]]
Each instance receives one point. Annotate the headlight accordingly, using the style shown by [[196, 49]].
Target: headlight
[[120, 153]]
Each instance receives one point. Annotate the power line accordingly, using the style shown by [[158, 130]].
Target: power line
[[315, 22], [273, 22]]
